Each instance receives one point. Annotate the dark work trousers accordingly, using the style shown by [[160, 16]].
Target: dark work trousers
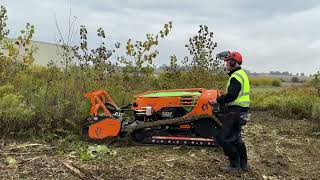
[[230, 137]]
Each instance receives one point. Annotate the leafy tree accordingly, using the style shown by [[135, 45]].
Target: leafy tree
[[14, 56], [95, 62], [3, 18], [201, 48], [101, 57], [173, 68], [171, 77], [141, 54], [295, 79], [316, 82], [317, 76], [203, 69]]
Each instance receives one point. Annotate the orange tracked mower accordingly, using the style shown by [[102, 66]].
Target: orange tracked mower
[[180, 116]]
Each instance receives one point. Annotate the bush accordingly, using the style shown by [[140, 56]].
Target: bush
[[291, 102], [276, 82], [264, 81], [316, 111], [295, 80], [6, 89], [315, 83], [15, 113]]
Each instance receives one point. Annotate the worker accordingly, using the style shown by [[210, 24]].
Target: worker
[[236, 102]]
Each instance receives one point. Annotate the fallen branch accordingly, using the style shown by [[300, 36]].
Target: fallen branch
[[77, 172], [25, 145], [17, 153]]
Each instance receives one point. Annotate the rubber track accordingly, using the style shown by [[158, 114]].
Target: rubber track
[[173, 121]]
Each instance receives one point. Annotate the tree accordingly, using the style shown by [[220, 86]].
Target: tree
[[141, 54], [316, 82], [3, 18], [3, 34], [173, 68], [202, 67], [97, 59], [201, 49], [286, 73], [295, 80], [317, 76], [19, 54], [65, 48]]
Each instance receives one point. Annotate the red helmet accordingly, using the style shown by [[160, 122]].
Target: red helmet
[[235, 56]]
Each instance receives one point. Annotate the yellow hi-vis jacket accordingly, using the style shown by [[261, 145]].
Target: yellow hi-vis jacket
[[243, 98]]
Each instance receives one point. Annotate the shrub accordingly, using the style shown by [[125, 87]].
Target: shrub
[[316, 111], [291, 102], [6, 89], [295, 80], [276, 82], [15, 113], [315, 83], [264, 81]]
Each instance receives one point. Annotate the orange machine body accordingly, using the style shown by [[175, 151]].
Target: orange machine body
[[199, 104], [109, 125]]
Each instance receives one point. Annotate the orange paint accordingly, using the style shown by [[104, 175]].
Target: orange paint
[[108, 127], [200, 107], [98, 98], [184, 126]]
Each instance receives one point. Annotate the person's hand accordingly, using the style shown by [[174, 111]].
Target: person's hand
[[212, 102]]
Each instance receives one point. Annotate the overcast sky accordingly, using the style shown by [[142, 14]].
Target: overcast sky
[[280, 35]]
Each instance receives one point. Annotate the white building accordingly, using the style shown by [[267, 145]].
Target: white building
[[45, 53]]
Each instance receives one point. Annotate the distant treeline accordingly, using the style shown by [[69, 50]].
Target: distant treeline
[[285, 73]]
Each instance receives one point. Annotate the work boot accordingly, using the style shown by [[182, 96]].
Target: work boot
[[230, 168], [244, 166], [243, 156], [244, 162], [233, 166]]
